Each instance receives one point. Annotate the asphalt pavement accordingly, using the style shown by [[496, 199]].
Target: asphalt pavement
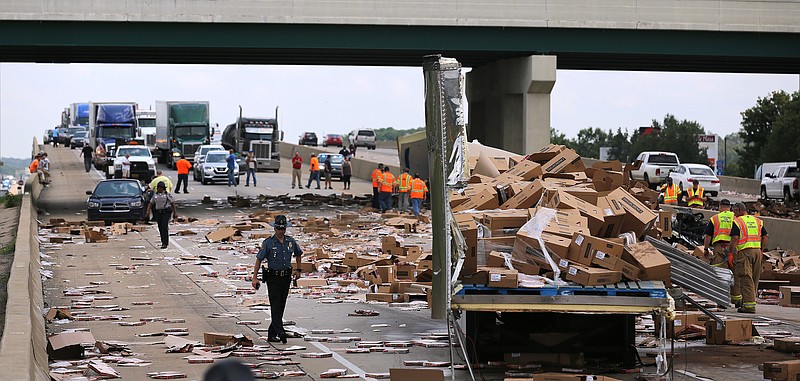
[[151, 282], [156, 283]]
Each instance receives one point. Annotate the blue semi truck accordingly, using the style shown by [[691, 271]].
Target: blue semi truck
[[110, 124]]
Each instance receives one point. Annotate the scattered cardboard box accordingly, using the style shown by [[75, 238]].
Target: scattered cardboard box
[[387, 297], [591, 276], [221, 235], [787, 344], [68, 346], [789, 296], [95, 235], [652, 264], [734, 330], [782, 370], [409, 374]]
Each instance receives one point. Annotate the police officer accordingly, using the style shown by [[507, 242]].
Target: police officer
[[278, 251], [748, 238], [716, 241]]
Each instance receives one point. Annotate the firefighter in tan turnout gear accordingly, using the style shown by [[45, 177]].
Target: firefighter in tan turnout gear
[[748, 239], [717, 239]]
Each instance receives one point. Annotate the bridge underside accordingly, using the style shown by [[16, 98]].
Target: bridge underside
[[376, 45]]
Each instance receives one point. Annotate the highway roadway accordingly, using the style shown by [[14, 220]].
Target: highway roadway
[[135, 274]]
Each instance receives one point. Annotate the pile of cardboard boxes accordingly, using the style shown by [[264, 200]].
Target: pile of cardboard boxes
[[592, 208]]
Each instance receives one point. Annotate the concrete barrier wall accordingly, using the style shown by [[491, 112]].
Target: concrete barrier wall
[[23, 351], [740, 185], [362, 169], [782, 232], [23, 354]]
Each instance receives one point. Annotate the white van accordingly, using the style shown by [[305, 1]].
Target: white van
[[364, 137]]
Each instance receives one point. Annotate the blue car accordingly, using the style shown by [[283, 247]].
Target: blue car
[[117, 200]]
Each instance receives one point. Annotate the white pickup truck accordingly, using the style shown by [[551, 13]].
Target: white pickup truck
[[143, 167], [655, 166], [783, 183]]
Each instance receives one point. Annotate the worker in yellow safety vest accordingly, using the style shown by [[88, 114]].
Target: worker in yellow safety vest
[[403, 189], [748, 239], [387, 184], [670, 192], [418, 191], [377, 172], [716, 242], [696, 195]]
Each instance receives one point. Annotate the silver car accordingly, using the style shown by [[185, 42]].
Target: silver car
[[215, 168], [200, 157]]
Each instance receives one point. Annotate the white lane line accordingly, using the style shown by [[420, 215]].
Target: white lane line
[[361, 373], [353, 367], [179, 246]]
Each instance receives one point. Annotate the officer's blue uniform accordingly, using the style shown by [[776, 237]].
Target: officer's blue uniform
[[278, 277]]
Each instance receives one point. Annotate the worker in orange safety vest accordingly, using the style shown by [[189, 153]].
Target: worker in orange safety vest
[[418, 191], [748, 240], [670, 192], [387, 185], [377, 172], [716, 242]]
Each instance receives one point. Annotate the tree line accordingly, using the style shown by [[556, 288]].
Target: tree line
[[769, 132], [670, 134]]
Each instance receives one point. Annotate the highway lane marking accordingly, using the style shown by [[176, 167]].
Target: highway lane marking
[[336, 356], [353, 367]]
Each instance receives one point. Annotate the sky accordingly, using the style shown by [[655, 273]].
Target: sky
[[330, 99]]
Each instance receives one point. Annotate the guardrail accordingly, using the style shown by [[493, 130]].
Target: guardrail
[[23, 354]]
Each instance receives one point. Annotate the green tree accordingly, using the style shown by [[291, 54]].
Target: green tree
[[784, 142], [620, 144], [557, 137], [732, 143], [589, 141], [675, 136], [757, 127], [389, 134]]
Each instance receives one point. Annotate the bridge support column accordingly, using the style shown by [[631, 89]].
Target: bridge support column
[[509, 103]]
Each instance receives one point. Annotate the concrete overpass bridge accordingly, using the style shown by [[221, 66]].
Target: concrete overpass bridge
[[514, 48]]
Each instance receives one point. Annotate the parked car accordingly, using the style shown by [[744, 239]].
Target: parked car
[[655, 166], [781, 184], [685, 174], [332, 140], [336, 163], [78, 140], [364, 137], [116, 200], [48, 136], [308, 139], [215, 168], [200, 157]]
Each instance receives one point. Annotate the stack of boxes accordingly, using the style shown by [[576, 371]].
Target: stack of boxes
[[580, 213]]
